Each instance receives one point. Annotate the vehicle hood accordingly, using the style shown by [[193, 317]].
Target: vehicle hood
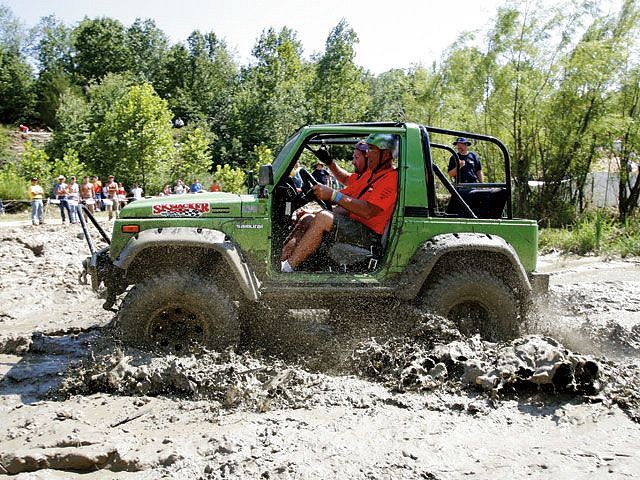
[[210, 204]]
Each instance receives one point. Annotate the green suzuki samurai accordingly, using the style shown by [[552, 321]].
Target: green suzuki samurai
[[198, 267]]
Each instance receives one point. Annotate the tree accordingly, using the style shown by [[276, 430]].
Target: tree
[[148, 46], [17, 98], [338, 91], [271, 102], [194, 155], [53, 47], [135, 142], [101, 48], [230, 179], [12, 31]]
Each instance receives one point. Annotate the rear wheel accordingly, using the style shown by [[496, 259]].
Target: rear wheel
[[171, 311], [479, 302]]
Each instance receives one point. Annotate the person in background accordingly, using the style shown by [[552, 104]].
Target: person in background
[[74, 198], [87, 194], [166, 191], [468, 163], [215, 187], [62, 195], [36, 194], [196, 186], [136, 192], [320, 174], [180, 187], [97, 191], [122, 195], [112, 196]]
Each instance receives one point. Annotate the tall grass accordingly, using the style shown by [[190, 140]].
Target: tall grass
[[594, 233]]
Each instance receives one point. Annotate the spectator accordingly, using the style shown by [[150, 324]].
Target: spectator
[[36, 194], [136, 192], [97, 190], [320, 174], [295, 174], [112, 196], [196, 186], [363, 208], [468, 163], [180, 187], [61, 193], [122, 195], [87, 194], [74, 198], [166, 191], [215, 187]]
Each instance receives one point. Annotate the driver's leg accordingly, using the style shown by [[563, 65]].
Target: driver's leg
[[296, 234], [310, 241]]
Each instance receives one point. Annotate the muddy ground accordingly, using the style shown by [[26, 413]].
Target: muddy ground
[[562, 401]]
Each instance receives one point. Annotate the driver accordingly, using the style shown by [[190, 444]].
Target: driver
[[363, 207]]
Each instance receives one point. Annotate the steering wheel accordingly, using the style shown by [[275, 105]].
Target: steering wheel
[[307, 184]]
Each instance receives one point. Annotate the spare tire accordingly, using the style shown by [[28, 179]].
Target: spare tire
[[479, 302], [175, 309]]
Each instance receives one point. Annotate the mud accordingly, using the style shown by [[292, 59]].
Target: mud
[[562, 401]]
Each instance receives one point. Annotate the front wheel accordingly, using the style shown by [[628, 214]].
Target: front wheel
[[479, 302], [173, 310]]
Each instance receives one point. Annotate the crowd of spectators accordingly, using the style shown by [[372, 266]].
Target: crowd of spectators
[[97, 195]]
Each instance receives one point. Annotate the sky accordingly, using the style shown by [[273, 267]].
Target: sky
[[391, 34]]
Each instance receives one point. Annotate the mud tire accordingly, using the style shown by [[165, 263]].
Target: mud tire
[[478, 302], [171, 311]]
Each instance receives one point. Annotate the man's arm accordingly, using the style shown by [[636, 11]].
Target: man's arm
[[340, 173], [359, 207]]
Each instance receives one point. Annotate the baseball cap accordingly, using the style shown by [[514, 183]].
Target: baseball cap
[[362, 146], [60, 177], [461, 140]]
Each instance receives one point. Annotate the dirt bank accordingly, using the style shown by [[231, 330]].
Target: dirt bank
[[561, 402]]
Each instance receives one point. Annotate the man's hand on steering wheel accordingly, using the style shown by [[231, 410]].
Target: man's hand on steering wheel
[[322, 192]]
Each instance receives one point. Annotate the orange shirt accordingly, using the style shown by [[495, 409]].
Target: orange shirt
[[379, 189]]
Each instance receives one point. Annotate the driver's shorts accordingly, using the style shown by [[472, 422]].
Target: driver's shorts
[[348, 230]]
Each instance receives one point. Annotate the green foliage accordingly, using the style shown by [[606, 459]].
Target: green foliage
[[70, 165], [597, 233], [17, 97], [339, 92], [555, 83], [101, 48], [34, 162], [12, 185], [135, 141], [230, 179], [194, 155], [263, 156]]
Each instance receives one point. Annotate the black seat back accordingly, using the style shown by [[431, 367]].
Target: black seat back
[[485, 202]]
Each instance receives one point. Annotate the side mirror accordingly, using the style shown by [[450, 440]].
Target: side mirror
[[265, 176]]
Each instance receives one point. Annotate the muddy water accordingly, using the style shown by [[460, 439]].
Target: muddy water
[[562, 401]]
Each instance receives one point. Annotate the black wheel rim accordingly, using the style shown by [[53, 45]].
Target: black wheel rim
[[174, 328], [471, 317]]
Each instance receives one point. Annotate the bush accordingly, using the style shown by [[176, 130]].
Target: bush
[[12, 187], [598, 233]]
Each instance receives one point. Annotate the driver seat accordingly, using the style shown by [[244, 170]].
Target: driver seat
[[357, 258]]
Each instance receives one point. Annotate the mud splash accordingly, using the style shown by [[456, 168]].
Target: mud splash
[[435, 357]]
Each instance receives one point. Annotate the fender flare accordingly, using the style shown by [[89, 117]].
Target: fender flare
[[430, 252], [193, 237]]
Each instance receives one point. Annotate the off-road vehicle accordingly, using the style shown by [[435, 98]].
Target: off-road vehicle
[[198, 266]]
